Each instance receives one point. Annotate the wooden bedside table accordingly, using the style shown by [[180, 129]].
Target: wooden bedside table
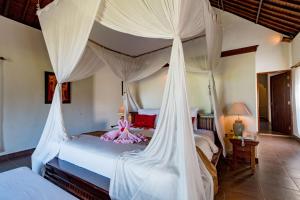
[[246, 152]]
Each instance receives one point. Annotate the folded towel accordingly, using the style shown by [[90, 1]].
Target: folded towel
[[123, 135]]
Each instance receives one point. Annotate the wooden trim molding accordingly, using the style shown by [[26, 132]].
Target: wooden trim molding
[[135, 56], [296, 65], [15, 155], [239, 51]]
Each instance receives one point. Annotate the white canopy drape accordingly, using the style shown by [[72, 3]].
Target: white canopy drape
[[172, 149], [65, 49], [66, 25], [296, 100], [130, 69]]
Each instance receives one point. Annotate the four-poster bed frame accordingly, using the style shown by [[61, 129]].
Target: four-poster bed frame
[[85, 184]]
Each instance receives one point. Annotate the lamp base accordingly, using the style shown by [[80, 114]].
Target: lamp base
[[238, 128]]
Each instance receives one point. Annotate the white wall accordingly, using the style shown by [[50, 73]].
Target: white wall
[[150, 90], [236, 82], [24, 110], [296, 50], [107, 98], [271, 55], [240, 86]]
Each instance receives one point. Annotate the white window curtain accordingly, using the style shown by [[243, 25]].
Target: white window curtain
[[65, 49], [296, 100], [1, 103]]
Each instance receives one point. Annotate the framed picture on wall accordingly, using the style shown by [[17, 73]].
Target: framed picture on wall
[[50, 84]]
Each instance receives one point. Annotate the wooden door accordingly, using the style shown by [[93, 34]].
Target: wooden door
[[281, 103]]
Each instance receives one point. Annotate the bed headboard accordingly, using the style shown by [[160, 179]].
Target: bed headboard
[[203, 121], [206, 122], [132, 115]]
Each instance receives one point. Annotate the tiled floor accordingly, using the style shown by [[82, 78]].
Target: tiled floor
[[277, 175]]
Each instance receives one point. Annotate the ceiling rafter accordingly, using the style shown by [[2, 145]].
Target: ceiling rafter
[[278, 15], [25, 9], [282, 16], [6, 8], [241, 8], [243, 3], [281, 21], [281, 10], [285, 4]]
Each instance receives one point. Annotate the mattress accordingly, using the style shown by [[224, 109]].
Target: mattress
[[93, 154], [206, 133], [23, 184], [99, 156]]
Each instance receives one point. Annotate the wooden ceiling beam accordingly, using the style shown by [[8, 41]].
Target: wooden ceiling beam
[[240, 8], [258, 11], [287, 28], [239, 11], [243, 3], [243, 50], [6, 8], [296, 27], [25, 9], [214, 3], [278, 15], [253, 2], [281, 10], [285, 4]]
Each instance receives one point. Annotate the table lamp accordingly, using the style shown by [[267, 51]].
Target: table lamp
[[239, 109], [121, 111]]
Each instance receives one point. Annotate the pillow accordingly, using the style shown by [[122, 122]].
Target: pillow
[[193, 120], [150, 112], [194, 113], [144, 121]]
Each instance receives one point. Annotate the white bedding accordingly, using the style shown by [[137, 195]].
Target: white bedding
[[23, 184], [98, 156], [93, 154], [206, 133]]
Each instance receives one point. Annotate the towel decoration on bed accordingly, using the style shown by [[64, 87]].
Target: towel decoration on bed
[[123, 135]]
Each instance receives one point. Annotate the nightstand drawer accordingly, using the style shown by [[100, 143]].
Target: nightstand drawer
[[242, 148]]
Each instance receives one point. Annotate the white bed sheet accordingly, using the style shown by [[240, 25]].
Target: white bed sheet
[[99, 156], [206, 133], [205, 140], [23, 184], [93, 154]]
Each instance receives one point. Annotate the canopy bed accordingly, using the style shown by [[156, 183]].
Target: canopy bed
[[170, 158]]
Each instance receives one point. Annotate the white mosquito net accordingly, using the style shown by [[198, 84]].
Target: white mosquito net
[[169, 167]]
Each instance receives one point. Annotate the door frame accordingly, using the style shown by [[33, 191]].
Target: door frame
[[257, 95]]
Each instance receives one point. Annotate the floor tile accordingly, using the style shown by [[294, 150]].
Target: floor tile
[[277, 175]]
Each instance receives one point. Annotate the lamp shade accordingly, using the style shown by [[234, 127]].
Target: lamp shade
[[121, 110], [238, 109]]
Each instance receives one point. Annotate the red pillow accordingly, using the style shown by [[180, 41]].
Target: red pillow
[[193, 119], [144, 121]]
